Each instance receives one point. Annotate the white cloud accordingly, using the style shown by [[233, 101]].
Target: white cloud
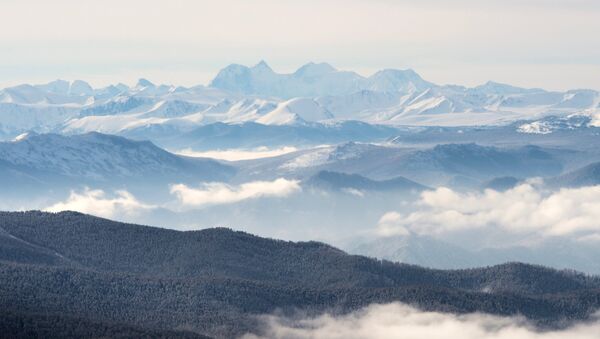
[[390, 224], [98, 203], [353, 191], [221, 193], [523, 209], [237, 154], [400, 321]]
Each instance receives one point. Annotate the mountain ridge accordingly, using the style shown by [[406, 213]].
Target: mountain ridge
[[100, 157], [239, 93], [216, 281]]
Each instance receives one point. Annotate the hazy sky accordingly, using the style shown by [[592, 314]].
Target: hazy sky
[[539, 43]]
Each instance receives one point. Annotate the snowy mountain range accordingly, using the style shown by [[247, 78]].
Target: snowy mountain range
[[314, 94], [99, 159], [94, 158], [313, 80], [359, 147], [366, 166]]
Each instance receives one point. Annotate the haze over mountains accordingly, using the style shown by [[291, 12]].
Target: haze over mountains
[[390, 166], [348, 187], [414, 169]]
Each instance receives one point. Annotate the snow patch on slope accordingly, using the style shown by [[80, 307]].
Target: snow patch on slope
[[296, 111]]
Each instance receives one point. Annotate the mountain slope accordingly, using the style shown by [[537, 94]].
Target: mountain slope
[[586, 176], [214, 281], [34, 325], [100, 157], [296, 111], [464, 165]]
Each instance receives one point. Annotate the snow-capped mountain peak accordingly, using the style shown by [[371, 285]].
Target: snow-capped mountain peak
[[298, 110], [497, 88], [80, 87], [56, 86], [142, 83], [262, 66], [316, 92], [391, 80], [312, 69], [100, 157]]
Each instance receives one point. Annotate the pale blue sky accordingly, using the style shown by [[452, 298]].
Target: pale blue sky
[[534, 43]]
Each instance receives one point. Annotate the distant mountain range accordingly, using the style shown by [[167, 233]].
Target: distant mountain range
[[314, 80], [249, 135], [50, 159], [74, 269], [93, 159], [335, 181], [462, 165], [315, 93]]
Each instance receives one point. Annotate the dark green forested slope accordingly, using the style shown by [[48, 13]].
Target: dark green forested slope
[[24, 325], [213, 281]]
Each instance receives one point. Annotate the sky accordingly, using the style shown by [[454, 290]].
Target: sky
[[553, 44]]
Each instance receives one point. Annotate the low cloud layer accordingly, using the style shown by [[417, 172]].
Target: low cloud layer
[[99, 203], [237, 154], [221, 193], [122, 203], [525, 209], [400, 321]]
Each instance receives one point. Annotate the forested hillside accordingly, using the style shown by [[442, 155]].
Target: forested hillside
[[214, 281]]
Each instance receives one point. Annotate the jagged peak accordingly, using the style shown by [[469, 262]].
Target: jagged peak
[[262, 66]]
